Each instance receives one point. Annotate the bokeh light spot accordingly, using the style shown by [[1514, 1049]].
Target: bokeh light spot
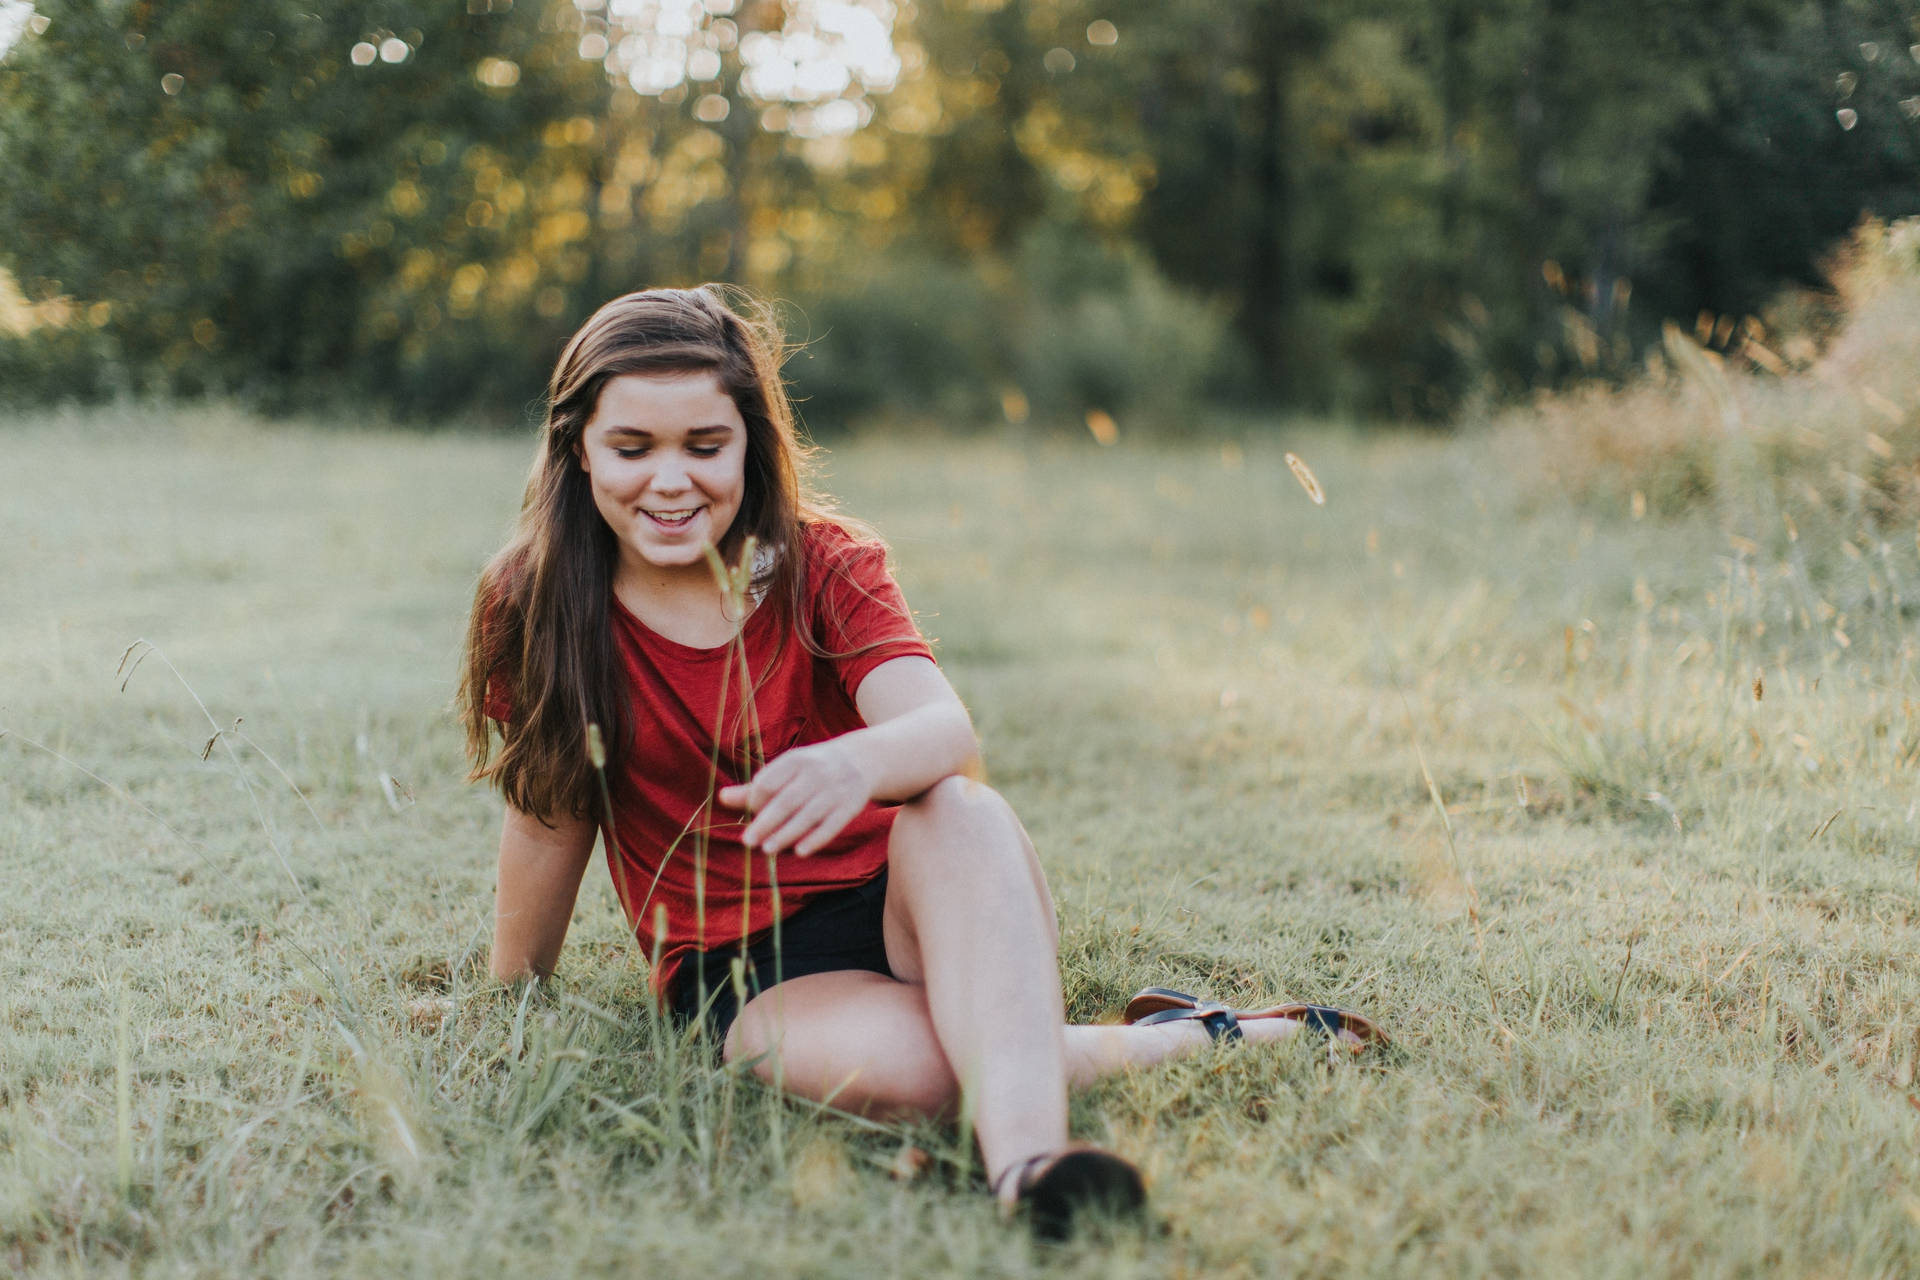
[[394, 49], [497, 73], [1103, 33], [820, 62], [1847, 117], [1057, 61], [363, 54], [711, 108], [172, 83]]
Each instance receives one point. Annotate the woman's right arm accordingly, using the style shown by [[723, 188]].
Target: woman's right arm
[[540, 870]]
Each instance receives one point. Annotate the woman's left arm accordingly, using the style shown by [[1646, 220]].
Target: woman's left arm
[[917, 732]]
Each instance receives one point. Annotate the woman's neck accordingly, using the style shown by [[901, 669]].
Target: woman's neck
[[683, 603]]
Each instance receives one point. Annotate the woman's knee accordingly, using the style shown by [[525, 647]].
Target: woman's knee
[[956, 804], [959, 813]]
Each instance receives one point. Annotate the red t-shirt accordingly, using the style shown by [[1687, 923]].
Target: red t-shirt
[[672, 844]]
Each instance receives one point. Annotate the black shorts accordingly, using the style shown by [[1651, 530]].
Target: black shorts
[[839, 930]]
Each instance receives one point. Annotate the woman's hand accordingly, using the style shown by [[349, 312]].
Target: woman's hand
[[917, 733], [803, 798]]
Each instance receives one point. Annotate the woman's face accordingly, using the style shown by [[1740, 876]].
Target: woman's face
[[666, 457]]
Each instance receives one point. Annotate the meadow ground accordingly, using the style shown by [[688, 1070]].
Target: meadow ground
[[1650, 972]]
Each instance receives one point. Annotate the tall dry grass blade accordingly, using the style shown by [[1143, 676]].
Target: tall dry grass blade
[[1625, 965], [597, 755], [284, 775], [736, 588], [152, 650], [1460, 867], [382, 1106], [122, 1092]]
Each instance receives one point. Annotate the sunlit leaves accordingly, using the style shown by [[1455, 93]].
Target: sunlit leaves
[[818, 66]]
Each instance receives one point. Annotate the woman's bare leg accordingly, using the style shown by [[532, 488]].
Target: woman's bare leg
[[970, 921], [976, 1010], [866, 1044]]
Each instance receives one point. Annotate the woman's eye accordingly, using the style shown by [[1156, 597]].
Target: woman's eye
[[705, 450], [630, 453]]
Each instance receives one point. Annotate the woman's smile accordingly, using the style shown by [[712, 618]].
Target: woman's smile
[[672, 519]]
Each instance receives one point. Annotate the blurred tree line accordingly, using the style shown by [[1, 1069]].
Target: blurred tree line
[[989, 209]]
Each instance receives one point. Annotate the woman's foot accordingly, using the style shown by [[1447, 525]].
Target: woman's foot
[[1159, 1006], [1058, 1187], [1264, 1030]]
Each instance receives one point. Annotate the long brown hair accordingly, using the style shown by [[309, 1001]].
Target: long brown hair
[[541, 635]]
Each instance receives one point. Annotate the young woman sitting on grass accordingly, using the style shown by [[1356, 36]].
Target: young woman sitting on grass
[[793, 787]]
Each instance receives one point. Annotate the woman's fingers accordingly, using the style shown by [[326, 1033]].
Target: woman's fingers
[[804, 821], [758, 792], [771, 815], [800, 800], [830, 826]]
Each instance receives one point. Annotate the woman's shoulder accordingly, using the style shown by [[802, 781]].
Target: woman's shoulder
[[503, 584], [856, 610], [831, 540], [500, 607]]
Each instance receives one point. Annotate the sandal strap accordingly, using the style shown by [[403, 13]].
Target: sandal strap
[[1325, 1019], [1018, 1172], [1220, 1021], [1169, 1005], [1056, 1187]]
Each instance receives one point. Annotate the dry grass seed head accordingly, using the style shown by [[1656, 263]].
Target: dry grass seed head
[[1304, 474]]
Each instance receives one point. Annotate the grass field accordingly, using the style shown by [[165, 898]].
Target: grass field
[[1651, 971]]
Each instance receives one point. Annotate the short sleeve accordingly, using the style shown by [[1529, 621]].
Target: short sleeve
[[860, 616], [497, 701]]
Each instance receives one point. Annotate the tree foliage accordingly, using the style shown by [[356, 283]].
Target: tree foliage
[[1392, 206]]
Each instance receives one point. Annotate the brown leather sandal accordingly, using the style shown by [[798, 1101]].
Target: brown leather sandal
[[1163, 1004], [1056, 1186]]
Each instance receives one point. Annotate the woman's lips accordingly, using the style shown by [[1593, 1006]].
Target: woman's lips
[[660, 520]]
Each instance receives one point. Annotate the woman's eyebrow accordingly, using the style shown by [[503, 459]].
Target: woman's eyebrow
[[717, 429]]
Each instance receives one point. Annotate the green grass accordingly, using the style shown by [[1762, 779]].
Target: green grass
[[1655, 1005]]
